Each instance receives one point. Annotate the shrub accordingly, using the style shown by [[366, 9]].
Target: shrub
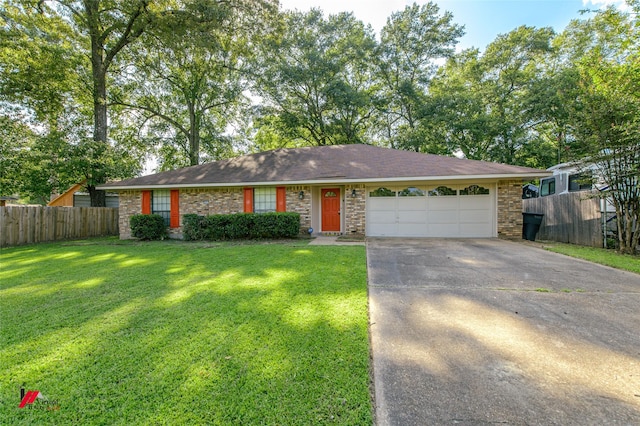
[[276, 225], [241, 226], [148, 226], [193, 227]]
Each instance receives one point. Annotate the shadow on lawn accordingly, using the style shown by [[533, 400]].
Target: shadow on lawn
[[168, 333]]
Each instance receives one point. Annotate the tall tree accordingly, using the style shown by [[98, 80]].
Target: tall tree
[[189, 78], [459, 117], [101, 29], [412, 43], [484, 102], [605, 109], [317, 80], [513, 64], [41, 101]]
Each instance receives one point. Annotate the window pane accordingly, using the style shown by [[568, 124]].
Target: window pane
[[411, 192], [264, 200], [161, 204], [474, 190], [442, 191], [579, 182], [382, 192], [547, 187]]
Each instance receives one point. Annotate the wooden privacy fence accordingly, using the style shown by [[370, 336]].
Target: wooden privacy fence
[[572, 217], [34, 224]]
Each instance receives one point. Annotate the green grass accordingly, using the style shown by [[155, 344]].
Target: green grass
[[598, 255], [185, 333]]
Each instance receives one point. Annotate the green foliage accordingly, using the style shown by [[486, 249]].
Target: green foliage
[[411, 42], [484, 104], [191, 79], [271, 133], [317, 78], [275, 225], [45, 86], [241, 226], [603, 111], [148, 227]]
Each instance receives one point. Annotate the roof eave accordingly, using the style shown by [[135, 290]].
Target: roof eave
[[496, 176]]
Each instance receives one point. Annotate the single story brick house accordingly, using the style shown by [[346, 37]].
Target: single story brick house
[[341, 189]]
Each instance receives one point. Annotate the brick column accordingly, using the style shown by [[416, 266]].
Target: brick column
[[302, 207], [355, 220], [130, 203], [510, 209]]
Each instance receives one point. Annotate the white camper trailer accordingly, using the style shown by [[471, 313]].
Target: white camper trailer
[[568, 177]]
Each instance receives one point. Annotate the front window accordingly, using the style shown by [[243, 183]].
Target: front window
[[161, 204], [264, 200]]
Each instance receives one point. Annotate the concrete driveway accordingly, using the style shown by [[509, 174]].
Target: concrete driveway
[[472, 332]]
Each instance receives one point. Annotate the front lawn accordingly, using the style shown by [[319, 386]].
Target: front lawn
[[598, 255], [184, 333]]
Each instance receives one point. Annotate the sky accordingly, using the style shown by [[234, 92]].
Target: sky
[[484, 20]]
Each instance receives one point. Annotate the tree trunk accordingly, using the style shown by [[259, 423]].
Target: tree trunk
[[99, 74], [98, 197], [194, 137]]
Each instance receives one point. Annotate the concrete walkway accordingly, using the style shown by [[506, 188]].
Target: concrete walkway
[[476, 332], [330, 240]]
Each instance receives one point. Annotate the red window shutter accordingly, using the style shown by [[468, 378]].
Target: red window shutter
[[174, 215], [248, 200], [146, 202], [281, 199]]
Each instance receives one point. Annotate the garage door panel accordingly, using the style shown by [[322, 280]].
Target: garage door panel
[[412, 216], [443, 203], [475, 216], [412, 203], [475, 202], [383, 216], [412, 230], [385, 230], [443, 216], [382, 203], [432, 216], [475, 230], [443, 230]]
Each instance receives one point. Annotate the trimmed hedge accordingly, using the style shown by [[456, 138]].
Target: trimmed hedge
[[148, 226], [240, 226]]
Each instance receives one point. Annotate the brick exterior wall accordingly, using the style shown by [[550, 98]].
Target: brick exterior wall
[[130, 204], [303, 207], [510, 209], [206, 202], [212, 201], [354, 209]]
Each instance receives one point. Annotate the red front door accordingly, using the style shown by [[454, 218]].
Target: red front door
[[331, 210]]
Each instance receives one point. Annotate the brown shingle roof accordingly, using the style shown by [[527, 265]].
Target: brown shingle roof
[[334, 163]]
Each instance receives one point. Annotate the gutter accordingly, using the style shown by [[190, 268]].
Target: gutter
[[115, 187]]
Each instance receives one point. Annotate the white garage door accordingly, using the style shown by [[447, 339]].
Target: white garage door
[[462, 211]]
